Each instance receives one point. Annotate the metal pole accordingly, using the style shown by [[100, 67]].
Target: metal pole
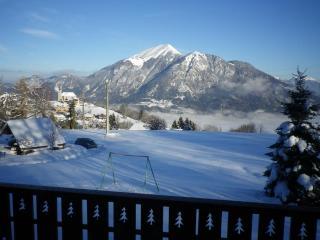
[[83, 110], [154, 178], [107, 106]]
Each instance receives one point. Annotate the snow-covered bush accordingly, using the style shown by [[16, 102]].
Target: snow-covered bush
[[156, 123], [248, 128], [294, 175], [186, 125]]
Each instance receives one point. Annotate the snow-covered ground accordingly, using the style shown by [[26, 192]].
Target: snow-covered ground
[[199, 164]]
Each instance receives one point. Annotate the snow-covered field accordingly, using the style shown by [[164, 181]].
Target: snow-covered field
[[198, 164]]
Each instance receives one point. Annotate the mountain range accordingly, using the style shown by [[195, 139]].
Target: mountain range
[[162, 77]]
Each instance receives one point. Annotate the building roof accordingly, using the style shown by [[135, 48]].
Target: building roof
[[69, 94], [35, 132]]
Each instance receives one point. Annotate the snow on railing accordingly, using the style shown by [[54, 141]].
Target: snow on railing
[[37, 212]]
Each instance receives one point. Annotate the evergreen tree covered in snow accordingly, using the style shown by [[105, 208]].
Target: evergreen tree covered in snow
[[156, 123], [189, 125], [294, 175], [186, 125], [174, 125], [181, 123], [114, 125], [72, 115]]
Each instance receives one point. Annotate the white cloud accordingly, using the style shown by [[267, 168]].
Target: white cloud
[[37, 17], [40, 33]]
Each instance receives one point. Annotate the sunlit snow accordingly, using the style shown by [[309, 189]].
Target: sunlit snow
[[198, 164]]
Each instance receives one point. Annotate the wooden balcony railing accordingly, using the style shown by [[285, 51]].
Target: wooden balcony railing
[[45, 213]]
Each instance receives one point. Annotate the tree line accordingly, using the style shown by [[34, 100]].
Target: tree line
[[26, 100]]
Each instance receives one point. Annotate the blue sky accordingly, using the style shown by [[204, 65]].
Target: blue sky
[[47, 36]]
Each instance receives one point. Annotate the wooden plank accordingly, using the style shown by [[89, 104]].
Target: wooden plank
[[151, 220], [97, 214], [239, 223], [47, 216], [303, 227], [23, 215], [182, 221], [71, 216], [5, 229], [271, 225], [209, 222], [124, 219], [181, 215]]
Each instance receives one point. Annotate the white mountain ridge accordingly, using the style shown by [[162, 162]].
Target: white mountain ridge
[[161, 50], [194, 80]]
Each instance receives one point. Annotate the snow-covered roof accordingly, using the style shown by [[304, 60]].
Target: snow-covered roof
[[58, 104], [69, 94], [35, 132], [88, 115], [60, 117]]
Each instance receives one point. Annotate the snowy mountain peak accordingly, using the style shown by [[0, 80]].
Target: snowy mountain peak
[[197, 59], [196, 54], [155, 52]]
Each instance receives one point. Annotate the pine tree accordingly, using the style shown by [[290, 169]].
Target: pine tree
[[187, 125], [193, 126], [114, 125], [141, 114], [181, 123], [174, 125], [294, 175], [156, 123], [72, 115]]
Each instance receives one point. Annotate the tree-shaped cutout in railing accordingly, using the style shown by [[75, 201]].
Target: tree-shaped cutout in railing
[[209, 224], [187, 218], [150, 219]]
